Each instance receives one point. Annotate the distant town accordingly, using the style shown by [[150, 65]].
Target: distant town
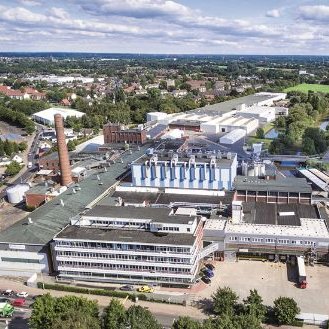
[[178, 184]]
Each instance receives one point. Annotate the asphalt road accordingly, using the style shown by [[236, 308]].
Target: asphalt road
[[26, 174]]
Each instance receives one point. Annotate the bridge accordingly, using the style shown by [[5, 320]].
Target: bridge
[[287, 158]]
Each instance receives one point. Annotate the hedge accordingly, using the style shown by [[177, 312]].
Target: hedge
[[99, 292]]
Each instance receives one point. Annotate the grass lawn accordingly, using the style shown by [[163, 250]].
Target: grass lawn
[[266, 141], [304, 87]]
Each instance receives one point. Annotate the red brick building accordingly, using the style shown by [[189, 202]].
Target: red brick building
[[115, 133]]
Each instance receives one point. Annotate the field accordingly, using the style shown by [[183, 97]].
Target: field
[[304, 87]]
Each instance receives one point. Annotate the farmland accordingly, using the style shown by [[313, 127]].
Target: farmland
[[304, 87]]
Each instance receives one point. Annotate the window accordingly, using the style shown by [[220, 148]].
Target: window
[[257, 240], [268, 240], [233, 238], [188, 229], [223, 130], [245, 239], [283, 241]]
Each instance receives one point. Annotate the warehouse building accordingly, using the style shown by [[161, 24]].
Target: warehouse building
[[202, 171], [240, 113], [128, 244], [233, 136], [272, 231], [46, 117]]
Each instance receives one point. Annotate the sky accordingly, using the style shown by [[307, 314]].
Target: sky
[[275, 27]]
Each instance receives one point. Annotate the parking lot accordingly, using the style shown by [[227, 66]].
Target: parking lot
[[272, 280]]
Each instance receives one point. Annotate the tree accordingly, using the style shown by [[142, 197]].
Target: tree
[[13, 168], [260, 133], [114, 316], [139, 317], [68, 312], [8, 147], [254, 305], [247, 321], [224, 301], [22, 146], [185, 322], [308, 146], [285, 310], [43, 312], [70, 145]]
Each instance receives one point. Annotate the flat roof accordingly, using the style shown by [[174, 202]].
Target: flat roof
[[268, 213], [227, 106], [202, 158], [51, 217], [74, 232], [157, 215], [48, 114], [288, 184]]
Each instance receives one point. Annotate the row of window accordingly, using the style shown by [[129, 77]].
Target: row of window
[[124, 267], [271, 240], [123, 257], [122, 246]]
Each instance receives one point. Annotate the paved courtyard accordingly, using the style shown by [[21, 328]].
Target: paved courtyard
[[273, 280]]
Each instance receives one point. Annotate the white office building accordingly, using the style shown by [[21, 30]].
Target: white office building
[[128, 244], [201, 171]]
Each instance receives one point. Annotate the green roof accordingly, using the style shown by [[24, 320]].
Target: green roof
[[51, 217]]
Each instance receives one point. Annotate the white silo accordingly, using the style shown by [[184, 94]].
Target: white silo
[[15, 194], [244, 166], [262, 169], [256, 169]]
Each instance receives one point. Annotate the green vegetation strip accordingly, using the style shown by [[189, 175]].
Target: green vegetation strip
[[305, 87], [98, 292], [103, 292]]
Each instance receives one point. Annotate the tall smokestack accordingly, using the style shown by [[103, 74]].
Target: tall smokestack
[[63, 154]]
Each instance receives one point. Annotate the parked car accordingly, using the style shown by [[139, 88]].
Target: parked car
[[127, 288], [9, 292], [4, 300], [207, 272], [206, 280], [18, 302], [145, 289], [22, 294], [210, 266]]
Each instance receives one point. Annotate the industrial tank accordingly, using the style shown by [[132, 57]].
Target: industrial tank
[[15, 194]]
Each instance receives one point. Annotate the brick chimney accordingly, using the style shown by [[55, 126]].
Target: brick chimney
[[63, 154]]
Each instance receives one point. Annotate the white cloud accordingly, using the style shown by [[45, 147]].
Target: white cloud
[[29, 2], [274, 13], [134, 8], [315, 13]]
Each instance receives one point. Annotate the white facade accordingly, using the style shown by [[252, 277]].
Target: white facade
[[130, 251], [47, 116], [213, 173], [233, 136], [155, 116], [224, 124], [263, 113]]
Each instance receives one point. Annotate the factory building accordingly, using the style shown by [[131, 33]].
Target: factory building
[[46, 117], [287, 190], [128, 244], [116, 133], [201, 171], [272, 231], [241, 113]]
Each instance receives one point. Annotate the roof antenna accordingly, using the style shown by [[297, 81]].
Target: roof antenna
[[30, 220], [62, 203]]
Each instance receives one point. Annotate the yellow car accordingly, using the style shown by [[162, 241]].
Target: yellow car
[[145, 289]]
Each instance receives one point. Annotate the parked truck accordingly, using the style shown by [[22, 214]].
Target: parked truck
[[301, 272], [6, 310]]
